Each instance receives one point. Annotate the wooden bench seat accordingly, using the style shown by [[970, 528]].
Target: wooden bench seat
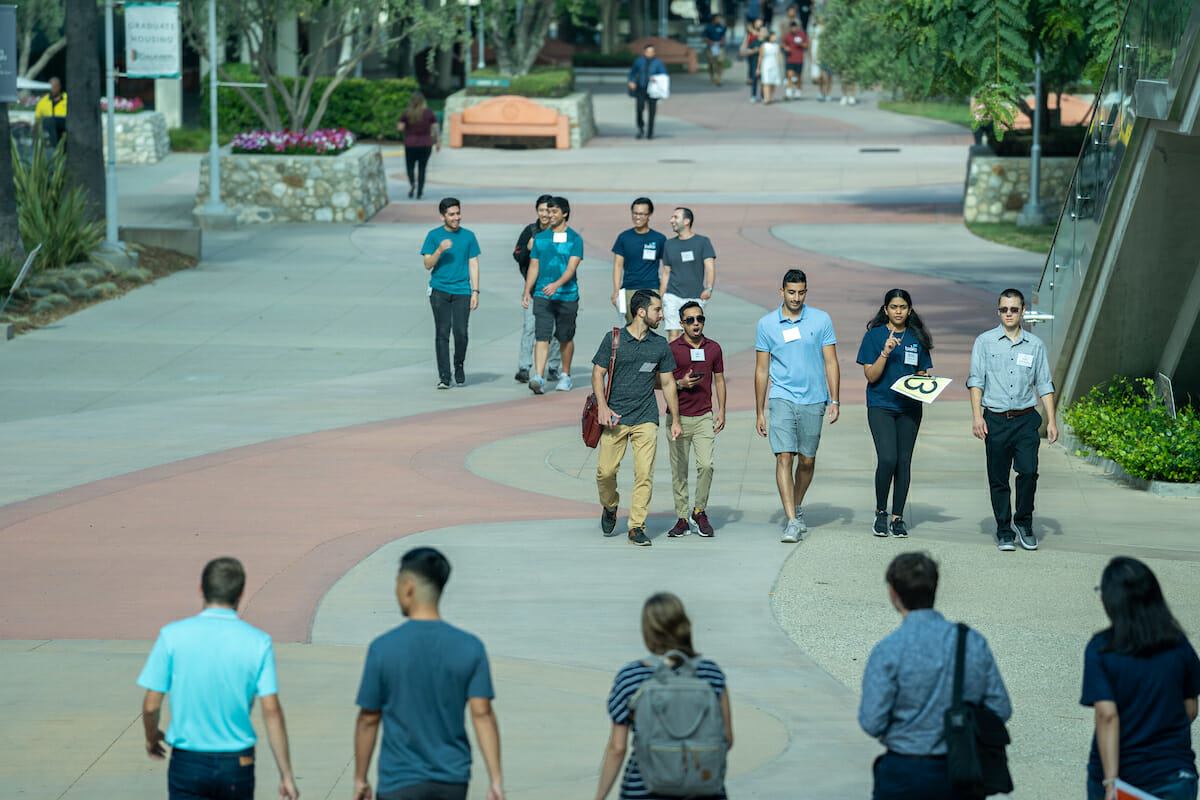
[[510, 115], [667, 51]]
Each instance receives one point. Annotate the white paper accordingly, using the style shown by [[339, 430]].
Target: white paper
[[910, 358], [647, 366], [650, 253], [1024, 359], [697, 353], [560, 237], [924, 389], [621, 301], [791, 334], [687, 255]]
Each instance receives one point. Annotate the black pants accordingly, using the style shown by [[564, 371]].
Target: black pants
[[644, 100], [752, 67], [429, 790], [450, 313], [913, 778], [895, 435], [1012, 444], [415, 159]]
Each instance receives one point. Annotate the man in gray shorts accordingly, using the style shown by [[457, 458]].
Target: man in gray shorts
[[797, 360], [689, 270]]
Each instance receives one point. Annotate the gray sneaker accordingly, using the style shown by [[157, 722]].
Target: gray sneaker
[[1025, 536], [802, 523], [792, 532], [880, 528]]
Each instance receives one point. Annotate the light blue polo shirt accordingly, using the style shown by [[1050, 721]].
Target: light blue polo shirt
[[212, 665], [797, 363]]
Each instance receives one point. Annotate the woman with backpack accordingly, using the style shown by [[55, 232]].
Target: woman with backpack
[[696, 689]]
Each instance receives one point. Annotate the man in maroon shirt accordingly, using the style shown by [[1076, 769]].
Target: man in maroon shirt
[[698, 367]]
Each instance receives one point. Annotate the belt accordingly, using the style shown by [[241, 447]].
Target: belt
[[1020, 412], [906, 755]]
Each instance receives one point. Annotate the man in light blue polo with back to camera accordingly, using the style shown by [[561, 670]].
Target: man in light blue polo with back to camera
[[797, 369], [213, 665]]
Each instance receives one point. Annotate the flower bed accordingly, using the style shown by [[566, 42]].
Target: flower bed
[[123, 105], [293, 143]]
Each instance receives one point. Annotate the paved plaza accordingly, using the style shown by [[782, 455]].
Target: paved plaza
[[277, 403]]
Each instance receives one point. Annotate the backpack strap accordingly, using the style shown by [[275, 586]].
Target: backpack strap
[[959, 658], [612, 363]]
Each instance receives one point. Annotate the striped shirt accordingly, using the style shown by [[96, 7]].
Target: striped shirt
[[625, 685]]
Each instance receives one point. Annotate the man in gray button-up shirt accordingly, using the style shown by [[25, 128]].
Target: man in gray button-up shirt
[[1009, 373]]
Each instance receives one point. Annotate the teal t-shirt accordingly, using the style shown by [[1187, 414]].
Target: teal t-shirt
[[554, 252], [451, 273]]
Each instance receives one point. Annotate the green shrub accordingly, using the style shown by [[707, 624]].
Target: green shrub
[[1126, 423], [541, 82], [195, 140], [51, 211], [368, 108]]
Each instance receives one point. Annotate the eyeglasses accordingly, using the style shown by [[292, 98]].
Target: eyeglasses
[[692, 320], [1010, 309]]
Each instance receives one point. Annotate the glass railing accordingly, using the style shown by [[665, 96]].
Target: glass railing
[[1141, 80]]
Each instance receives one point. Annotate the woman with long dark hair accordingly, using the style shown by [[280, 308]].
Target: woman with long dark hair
[[665, 627], [419, 125], [896, 344], [1142, 678]]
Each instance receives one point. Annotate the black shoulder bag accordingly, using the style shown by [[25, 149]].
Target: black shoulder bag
[[975, 739]]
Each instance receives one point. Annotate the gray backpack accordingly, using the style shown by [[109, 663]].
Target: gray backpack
[[679, 742]]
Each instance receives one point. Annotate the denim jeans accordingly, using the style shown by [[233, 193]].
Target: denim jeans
[[211, 776], [907, 778], [429, 790], [450, 313], [1180, 786], [525, 354]]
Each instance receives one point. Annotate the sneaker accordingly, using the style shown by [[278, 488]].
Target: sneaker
[[791, 532], [754, 100], [460, 377], [880, 528], [564, 384], [845, 100], [443, 385], [551, 374], [798, 95], [681, 529], [703, 527], [1006, 541], [638, 536], [853, 101], [537, 385], [800, 520], [522, 376], [608, 521], [1025, 536], [899, 529], [821, 98]]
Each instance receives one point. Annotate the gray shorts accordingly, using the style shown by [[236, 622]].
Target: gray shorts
[[794, 427]]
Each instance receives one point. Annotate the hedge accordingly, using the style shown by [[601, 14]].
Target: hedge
[[541, 82]]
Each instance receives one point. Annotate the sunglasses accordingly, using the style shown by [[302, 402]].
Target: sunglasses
[[1010, 310], [692, 320]]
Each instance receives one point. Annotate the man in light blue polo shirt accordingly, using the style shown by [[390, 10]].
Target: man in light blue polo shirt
[[213, 665], [797, 361]]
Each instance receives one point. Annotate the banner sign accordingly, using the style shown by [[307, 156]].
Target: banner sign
[[152, 40], [8, 54], [925, 389]]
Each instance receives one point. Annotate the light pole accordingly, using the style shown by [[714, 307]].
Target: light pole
[[481, 61], [111, 239], [214, 205], [1033, 213]]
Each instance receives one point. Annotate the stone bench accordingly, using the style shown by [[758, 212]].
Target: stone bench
[[510, 115], [667, 51]]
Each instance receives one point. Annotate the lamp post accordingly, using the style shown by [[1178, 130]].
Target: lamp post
[[481, 61], [111, 239], [1034, 213], [214, 205]]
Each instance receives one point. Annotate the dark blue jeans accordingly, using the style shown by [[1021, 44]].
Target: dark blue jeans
[[912, 778], [450, 313], [1180, 786], [211, 776], [429, 790]]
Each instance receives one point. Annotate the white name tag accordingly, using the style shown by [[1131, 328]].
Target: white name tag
[[649, 253], [697, 354], [560, 237], [647, 366], [910, 357], [687, 255], [1024, 359], [791, 334]]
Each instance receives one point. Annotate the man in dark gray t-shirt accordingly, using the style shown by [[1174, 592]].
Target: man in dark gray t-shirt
[[689, 270]]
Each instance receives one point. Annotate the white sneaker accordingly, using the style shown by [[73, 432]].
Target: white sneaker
[[791, 532], [564, 384], [799, 94], [853, 101]]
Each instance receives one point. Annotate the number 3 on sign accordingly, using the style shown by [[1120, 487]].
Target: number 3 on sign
[[923, 388]]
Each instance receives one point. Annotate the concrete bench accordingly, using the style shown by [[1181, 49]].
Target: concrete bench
[[667, 51], [510, 115]]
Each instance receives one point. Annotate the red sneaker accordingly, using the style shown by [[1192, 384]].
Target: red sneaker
[[702, 524]]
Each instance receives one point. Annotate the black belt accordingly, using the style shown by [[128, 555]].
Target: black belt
[[906, 755], [1020, 412]]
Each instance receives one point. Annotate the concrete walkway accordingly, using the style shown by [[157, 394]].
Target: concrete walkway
[[277, 403]]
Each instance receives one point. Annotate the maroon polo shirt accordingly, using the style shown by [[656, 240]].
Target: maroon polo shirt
[[696, 401]]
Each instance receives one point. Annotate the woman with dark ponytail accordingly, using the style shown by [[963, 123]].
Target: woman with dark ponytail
[[896, 344]]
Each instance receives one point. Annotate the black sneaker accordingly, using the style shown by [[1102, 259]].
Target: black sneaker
[[899, 529], [1025, 536], [681, 529], [522, 376], [443, 385], [608, 521], [1006, 541], [552, 374], [638, 536], [880, 528], [460, 377]]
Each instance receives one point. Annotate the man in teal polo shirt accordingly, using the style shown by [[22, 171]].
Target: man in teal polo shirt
[[213, 665], [797, 359], [451, 254]]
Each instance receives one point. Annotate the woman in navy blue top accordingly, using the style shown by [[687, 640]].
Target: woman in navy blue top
[[1142, 677], [896, 344]]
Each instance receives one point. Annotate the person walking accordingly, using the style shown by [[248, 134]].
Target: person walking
[[1009, 373], [521, 254], [212, 666], [689, 270], [644, 67], [50, 113], [419, 125], [796, 366], [795, 45], [770, 67], [908, 685], [699, 368], [636, 256], [630, 414], [1141, 676], [896, 344], [714, 45], [451, 254], [552, 289], [665, 627], [750, 50], [417, 680]]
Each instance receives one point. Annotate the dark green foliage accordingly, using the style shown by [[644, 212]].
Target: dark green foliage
[[621, 58], [540, 82], [52, 211], [1126, 423]]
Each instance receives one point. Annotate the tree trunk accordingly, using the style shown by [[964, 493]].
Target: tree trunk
[[637, 19], [445, 69], [10, 236], [518, 44], [85, 157], [608, 21]]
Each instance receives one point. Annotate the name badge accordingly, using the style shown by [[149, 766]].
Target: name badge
[[687, 255], [1024, 359], [560, 237], [910, 357], [649, 253], [791, 334], [697, 353], [647, 366]]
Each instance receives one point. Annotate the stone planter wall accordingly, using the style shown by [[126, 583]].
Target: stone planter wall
[[577, 106], [141, 138], [349, 187], [998, 187]]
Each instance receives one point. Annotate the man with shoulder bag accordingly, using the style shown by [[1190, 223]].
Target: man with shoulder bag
[[646, 69]]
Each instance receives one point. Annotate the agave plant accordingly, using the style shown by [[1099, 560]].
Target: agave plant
[[52, 211]]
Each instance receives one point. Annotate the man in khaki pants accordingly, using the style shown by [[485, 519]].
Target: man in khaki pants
[[630, 414]]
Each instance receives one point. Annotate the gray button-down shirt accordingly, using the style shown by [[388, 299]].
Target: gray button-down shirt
[[909, 683], [1013, 375]]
